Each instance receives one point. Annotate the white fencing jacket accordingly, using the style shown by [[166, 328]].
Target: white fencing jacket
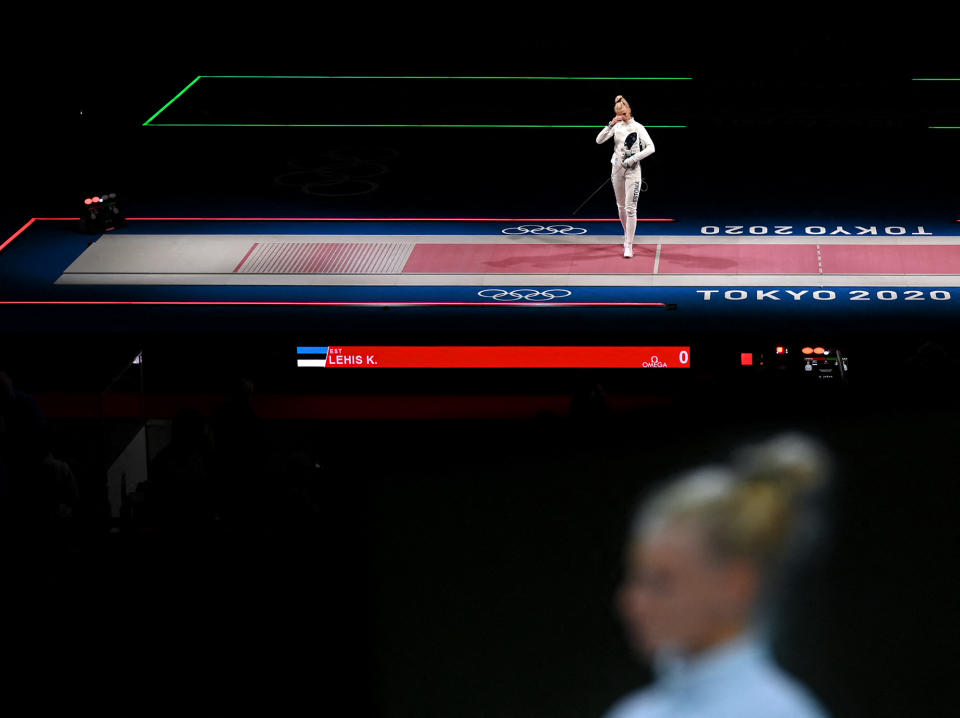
[[631, 143]]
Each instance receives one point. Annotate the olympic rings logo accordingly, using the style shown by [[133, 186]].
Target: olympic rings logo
[[338, 173], [504, 295], [540, 229]]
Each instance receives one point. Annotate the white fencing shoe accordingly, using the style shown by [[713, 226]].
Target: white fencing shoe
[[627, 250]]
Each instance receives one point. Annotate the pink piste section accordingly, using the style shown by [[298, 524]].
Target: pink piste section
[[703, 259], [891, 259], [739, 259], [573, 258], [529, 259]]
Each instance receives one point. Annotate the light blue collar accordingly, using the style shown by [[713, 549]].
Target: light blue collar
[[679, 671]]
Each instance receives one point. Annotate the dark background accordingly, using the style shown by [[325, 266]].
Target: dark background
[[468, 568], [813, 115]]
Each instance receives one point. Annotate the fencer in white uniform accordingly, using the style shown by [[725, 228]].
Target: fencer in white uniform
[[631, 144]]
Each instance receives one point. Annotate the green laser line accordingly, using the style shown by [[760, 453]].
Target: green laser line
[[431, 77], [173, 100], [389, 77], [222, 124], [943, 127]]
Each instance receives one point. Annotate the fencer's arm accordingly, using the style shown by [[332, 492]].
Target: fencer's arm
[[606, 133], [647, 144]]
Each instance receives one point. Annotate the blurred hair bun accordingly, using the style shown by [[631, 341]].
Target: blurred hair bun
[[795, 461], [748, 508]]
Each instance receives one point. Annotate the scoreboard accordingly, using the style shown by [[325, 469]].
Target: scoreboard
[[508, 357]]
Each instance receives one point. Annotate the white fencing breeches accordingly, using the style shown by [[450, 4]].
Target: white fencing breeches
[[626, 185]]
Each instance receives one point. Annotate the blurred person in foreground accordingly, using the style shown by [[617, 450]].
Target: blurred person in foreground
[[702, 555]]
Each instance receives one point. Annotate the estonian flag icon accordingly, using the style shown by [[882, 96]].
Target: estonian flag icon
[[312, 356]]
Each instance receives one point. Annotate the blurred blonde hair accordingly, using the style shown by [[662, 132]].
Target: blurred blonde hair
[[621, 104], [747, 509]]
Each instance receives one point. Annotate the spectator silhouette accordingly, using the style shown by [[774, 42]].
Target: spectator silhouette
[[239, 456], [21, 444], [589, 404], [38, 492], [181, 490]]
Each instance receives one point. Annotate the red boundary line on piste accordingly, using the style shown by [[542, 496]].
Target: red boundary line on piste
[[17, 233], [246, 257], [365, 219], [185, 303]]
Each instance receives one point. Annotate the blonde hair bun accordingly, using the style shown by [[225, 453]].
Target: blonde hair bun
[[796, 462], [747, 509]]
